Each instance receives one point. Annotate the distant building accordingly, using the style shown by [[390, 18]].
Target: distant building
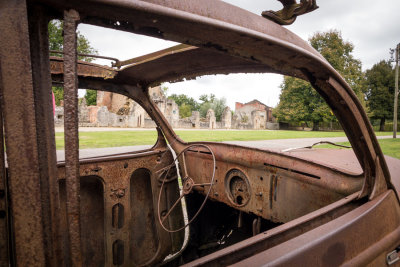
[[254, 115]]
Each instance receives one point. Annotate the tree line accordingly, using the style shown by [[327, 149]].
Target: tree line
[[188, 104], [299, 103]]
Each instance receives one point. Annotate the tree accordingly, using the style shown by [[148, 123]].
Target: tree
[[380, 92], [56, 40], [91, 97], [298, 101], [186, 104], [211, 102], [185, 110], [338, 53]]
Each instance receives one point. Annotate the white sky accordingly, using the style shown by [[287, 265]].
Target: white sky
[[372, 26]]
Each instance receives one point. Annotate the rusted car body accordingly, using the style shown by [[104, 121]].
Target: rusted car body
[[245, 206]]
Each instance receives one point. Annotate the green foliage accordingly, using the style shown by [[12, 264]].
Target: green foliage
[[58, 94], [211, 102], [207, 98], [186, 104], [204, 107], [91, 97], [338, 53], [380, 85], [56, 40], [185, 110], [299, 102]]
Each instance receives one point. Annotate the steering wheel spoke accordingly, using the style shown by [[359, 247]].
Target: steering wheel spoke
[[172, 208], [187, 187]]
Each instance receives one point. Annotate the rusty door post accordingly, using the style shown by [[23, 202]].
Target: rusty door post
[[21, 134], [38, 19], [71, 18]]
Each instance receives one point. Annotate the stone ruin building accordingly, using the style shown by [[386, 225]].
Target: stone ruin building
[[115, 110], [253, 115]]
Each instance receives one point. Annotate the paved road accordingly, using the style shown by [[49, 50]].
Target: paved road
[[278, 144]]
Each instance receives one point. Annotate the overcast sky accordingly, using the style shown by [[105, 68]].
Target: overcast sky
[[372, 26]]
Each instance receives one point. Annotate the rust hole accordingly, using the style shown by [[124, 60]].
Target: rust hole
[[118, 216], [118, 252], [239, 200], [125, 165]]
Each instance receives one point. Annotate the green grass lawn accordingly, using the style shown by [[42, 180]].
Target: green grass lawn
[[148, 137]]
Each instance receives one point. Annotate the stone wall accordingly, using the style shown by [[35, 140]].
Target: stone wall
[[253, 115], [115, 110]]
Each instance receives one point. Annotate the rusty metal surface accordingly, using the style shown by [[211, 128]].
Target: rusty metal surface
[[116, 60], [341, 241], [279, 234], [189, 63], [275, 181], [21, 135], [343, 160], [71, 137], [291, 9], [38, 23], [394, 167], [131, 182], [273, 186], [317, 241], [162, 66], [152, 56], [85, 69]]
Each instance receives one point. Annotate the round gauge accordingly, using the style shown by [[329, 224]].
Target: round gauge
[[237, 187]]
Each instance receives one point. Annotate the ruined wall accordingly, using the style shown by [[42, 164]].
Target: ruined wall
[[114, 110], [211, 119], [226, 119], [254, 115]]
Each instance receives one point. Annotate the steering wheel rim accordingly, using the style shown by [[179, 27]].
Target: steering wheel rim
[[187, 187]]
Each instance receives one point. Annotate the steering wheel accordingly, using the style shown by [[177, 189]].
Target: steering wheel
[[187, 187]]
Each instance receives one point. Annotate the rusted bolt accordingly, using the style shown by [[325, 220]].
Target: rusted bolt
[[216, 194], [120, 193], [125, 165], [260, 210], [259, 194]]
